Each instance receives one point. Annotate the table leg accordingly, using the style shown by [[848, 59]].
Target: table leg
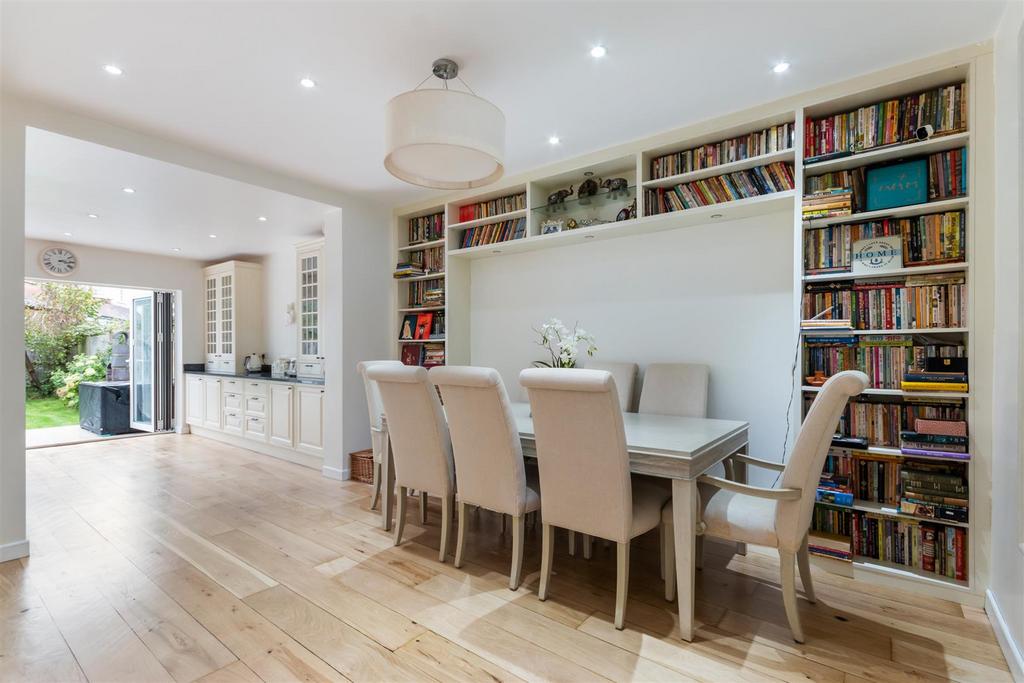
[[684, 528], [387, 490], [740, 472]]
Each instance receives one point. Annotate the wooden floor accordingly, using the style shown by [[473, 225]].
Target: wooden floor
[[179, 558]]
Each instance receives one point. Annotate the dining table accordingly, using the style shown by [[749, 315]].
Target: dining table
[[679, 449]]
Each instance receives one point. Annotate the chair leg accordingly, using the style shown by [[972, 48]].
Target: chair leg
[[572, 544], [447, 508], [803, 560], [698, 552], [588, 543], [788, 564], [376, 486], [662, 530], [621, 584], [518, 532], [668, 562], [460, 539], [423, 507], [502, 514], [403, 494], [546, 551]]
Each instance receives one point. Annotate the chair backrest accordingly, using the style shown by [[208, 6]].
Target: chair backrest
[[581, 451], [420, 441], [625, 379], [675, 389], [485, 440], [803, 469], [373, 403]]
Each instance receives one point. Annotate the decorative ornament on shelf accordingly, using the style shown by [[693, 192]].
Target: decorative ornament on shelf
[[557, 199], [551, 226], [563, 345], [628, 212], [588, 188], [444, 139], [614, 186]]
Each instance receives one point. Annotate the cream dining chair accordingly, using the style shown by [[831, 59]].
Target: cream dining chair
[[420, 444], [625, 379], [584, 468], [675, 389], [378, 426], [779, 517], [488, 454]]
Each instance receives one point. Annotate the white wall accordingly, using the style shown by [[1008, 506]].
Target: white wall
[[1006, 590], [279, 289], [721, 295]]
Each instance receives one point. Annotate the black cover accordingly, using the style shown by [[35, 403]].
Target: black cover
[[104, 408]]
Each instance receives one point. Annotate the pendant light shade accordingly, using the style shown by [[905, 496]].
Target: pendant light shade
[[444, 139]]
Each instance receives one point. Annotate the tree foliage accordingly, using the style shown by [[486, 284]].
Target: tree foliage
[[61, 318]]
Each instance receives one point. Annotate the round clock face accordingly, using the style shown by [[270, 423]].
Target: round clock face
[[58, 261]]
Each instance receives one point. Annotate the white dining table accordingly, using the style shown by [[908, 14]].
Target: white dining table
[[666, 446]]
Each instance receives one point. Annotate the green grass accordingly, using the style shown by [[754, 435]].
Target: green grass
[[48, 412]]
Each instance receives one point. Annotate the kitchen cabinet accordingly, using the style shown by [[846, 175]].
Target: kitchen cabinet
[[195, 399], [212, 410], [233, 323], [309, 419], [310, 297], [255, 397], [281, 418]]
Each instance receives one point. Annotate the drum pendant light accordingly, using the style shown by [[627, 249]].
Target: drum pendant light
[[444, 139]]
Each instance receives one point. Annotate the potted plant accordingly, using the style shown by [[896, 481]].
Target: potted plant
[[562, 344]]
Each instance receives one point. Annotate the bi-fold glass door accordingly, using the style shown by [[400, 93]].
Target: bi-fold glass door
[[151, 366]]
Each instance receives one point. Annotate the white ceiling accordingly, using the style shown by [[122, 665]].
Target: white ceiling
[[172, 206], [224, 75]]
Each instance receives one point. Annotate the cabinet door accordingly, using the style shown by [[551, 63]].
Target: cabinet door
[[309, 420], [310, 269], [212, 342], [212, 409], [226, 314], [194, 400], [281, 415]]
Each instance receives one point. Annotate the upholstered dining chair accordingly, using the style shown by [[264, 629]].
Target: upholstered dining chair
[[378, 426], [625, 379], [420, 443], [488, 454], [584, 468], [779, 517], [675, 389]]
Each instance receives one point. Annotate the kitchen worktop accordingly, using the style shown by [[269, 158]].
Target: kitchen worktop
[[260, 376]]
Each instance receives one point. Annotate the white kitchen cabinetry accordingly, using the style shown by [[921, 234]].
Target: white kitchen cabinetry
[[281, 414], [233, 314], [255, 395], [309, 419], [211, 403], [310, 297], [195, 399]]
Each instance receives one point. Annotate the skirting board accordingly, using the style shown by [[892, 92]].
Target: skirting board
[[13, 551], [1014, 657], [311, 461], [335, 473]]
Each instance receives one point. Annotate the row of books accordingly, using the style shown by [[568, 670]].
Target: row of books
[[936, 549], [886, 123], [422, 326], [754, 182], [406, 269], [880, 421], [492, 233], [947, 174], [886, 359], [952, 446], [426, 293], [773, 139], [934, 381], [827, 203], [927, 240], [937, 300], [427, 355], [429, 260], [492, 207], [426, 228], [850, 180], [936, 490]]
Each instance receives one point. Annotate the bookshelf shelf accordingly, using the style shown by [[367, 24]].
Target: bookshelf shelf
[[895, 212], [901, 393], [421, 341], [896, 453], [422, 245], [760, 160], [888, 510], [891, 153], [490, 219], [838, 331], [420, 309], [899, 272], [417, 278], [901, 571]]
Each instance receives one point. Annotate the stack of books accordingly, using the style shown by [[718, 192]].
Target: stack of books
[[947, 174], [433, 296], [774, 139], [828, 203], [433, 355], [928, 547], [934, 381], [492, 207], [754, 182], [935, 490], [826, 324], [419, 290], [426, 228], [880, 421], [952, 446], [493, 233], [430, 260], [407, 269]]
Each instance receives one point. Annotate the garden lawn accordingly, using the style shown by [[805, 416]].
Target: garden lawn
[[48, 412]]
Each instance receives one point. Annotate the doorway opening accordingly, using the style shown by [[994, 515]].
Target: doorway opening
[[99, 362]]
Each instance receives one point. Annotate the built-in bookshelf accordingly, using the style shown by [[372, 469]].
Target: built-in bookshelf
[[420, 287], [923, 305]]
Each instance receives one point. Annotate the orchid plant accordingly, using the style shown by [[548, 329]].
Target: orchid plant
[[563, 345]]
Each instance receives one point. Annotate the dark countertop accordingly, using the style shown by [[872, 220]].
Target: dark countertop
[[262, 376]]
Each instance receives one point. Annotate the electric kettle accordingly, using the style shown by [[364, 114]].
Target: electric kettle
[[254, 363]]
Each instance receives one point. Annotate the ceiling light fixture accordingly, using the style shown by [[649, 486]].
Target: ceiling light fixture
[[113, 69], [307, 82], [92, 215], [262, 219], [781, 67], [128, 190], [67, 234], [554, 140], [444, 139], [212, 236], [175, 248], [598, 51]]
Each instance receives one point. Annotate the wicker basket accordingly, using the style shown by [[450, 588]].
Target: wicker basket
[[362, 466]]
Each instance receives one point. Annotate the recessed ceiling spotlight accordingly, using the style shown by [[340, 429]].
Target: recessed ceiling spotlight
[[598, 51], [67, 234], [212, 236], [781, 67], [175, 248], [92, 215], [113, 69], [307, 82], [262, 219], [128, 190], [554, 140]]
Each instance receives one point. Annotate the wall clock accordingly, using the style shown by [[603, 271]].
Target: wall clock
[[59, 261]]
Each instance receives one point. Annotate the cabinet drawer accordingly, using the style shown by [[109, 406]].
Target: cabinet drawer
[[232, 400], [255, 428], [255, 405], [255, 388], [314, 369], [232, 385], [233, 421]]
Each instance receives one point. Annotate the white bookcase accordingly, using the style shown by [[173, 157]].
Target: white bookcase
[[632, 161]]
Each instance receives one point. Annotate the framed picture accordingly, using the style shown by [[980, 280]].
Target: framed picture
[[897, 185], [877, 255], [551, 226], [408, 327], [424, 321]]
